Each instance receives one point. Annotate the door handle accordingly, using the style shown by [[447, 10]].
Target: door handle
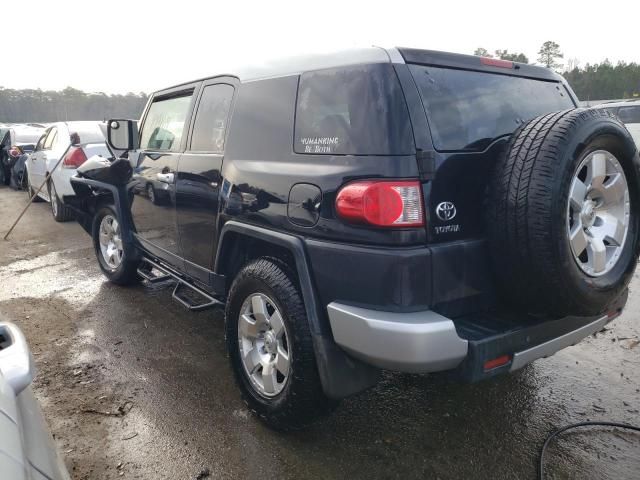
[[165, 177]]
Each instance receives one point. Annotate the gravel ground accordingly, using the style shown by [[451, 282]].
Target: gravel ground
[[134, 386]]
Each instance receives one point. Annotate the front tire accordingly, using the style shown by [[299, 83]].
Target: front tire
[[118, 261], [270, 347]]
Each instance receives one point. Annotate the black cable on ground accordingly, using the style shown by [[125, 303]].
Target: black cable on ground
[[576, 425]]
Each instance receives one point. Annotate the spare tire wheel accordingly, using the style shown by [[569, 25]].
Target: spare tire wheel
[[563, 213]]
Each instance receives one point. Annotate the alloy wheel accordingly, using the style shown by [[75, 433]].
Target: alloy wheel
[[264, 345], [598, 213], [110, 241]]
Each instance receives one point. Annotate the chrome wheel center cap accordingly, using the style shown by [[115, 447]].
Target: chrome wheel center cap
[[588, 214], [270, 342]]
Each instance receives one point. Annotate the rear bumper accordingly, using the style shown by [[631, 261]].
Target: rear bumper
[[409, 342], [62, 179], [421, 342]]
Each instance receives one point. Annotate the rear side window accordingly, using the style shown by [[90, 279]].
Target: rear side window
[[164, 124], [211, 119], [51, 138], [629, 114], [85, 133], [467, 110], [357, 110], [40, 144]]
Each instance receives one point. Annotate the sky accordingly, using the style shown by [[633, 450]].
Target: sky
[[117, 46]]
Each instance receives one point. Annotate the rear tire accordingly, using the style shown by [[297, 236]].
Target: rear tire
[[535, 215], [117, 259], [299, 399], [60, 211]]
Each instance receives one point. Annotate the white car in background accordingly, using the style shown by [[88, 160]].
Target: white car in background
[[629, 113], [27, 450], [73, 142]]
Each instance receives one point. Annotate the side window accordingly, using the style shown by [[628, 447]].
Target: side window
[[40, 144], [211, 118], [629, 114], [357, 110], [51, 137], [164, 124]]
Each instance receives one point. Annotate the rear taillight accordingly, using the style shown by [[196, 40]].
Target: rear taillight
[[74, 158], [382, 203], [496, 62], [15, 152]]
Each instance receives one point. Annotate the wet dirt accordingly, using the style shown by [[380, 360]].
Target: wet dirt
[[135, 386]]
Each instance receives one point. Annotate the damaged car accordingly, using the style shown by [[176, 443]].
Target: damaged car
[[375, 209]]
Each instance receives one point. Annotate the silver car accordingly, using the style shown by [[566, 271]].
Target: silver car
[[27, 451]]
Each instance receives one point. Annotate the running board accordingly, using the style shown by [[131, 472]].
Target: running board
[[148, 275], [186, 301]]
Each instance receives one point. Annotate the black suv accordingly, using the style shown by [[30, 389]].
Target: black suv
[[396, 209]]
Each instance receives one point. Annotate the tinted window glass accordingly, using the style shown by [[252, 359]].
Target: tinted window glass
[[40, 144], [85, 133], [211, 118], [629, 114], [4, 137], [468, 110], [164, 124], [357, 110], [51, 138]]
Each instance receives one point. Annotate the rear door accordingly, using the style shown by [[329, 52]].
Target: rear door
[[39, 158], [471, 115], [163, 138], [199, 177]]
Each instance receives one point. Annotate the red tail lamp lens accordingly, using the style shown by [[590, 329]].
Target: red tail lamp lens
[[74, 158], [382, 203]]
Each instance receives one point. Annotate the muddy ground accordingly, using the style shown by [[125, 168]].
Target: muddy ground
[[134, 386]]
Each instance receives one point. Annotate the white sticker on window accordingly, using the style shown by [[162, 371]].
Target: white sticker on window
[[319, 144]]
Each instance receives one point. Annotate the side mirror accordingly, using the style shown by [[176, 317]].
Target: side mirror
[[16, 364], [122, 134]]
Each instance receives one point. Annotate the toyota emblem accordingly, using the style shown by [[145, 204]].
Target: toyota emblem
[[446, 211]]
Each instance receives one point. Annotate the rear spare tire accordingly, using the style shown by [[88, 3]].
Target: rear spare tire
[[563, 216]]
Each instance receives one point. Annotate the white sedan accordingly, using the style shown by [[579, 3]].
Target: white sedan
[[629, 113], [71, 143]]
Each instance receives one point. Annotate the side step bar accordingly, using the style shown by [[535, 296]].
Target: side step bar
[[190, 303]]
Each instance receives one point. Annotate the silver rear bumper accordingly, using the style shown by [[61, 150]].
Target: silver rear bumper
[[546, 349], [414, 342], [425, 341]]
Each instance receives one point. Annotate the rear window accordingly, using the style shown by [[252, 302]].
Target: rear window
[[357, 110], [468, 110], [85, 133]]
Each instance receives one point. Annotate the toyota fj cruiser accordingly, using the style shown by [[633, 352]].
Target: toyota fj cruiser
[[396, 209]]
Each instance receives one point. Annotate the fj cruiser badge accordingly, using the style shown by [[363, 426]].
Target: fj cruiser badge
[[446, 211]]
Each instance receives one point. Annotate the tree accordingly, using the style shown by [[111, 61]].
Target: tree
[[604, 81], [549, 54], [482, 52], [69, 104], [514, 57]]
